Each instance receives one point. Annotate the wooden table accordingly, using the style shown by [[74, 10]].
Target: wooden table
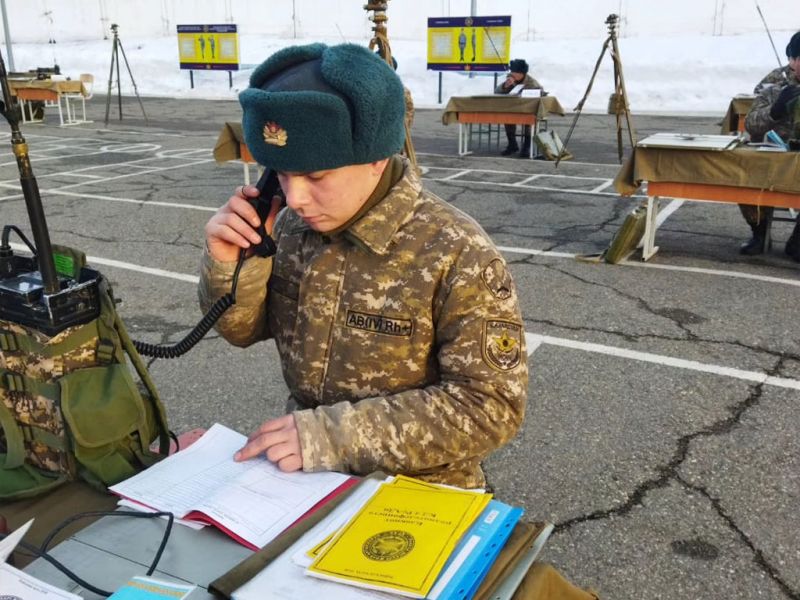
[[46, 90], [739, 176], [737, 112], [232, 146], [497, 110]]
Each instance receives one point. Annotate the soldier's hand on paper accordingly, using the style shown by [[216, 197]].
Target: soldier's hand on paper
[[278, 440], [233, 226]]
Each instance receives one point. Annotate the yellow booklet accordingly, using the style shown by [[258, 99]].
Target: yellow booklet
[[400, 539], [398, 480]]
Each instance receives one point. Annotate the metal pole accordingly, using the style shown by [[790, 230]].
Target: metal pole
[[473, 9], [440, 87], [8, 36], [118, 47]]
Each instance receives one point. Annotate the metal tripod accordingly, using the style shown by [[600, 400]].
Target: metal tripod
[[115, 52], [380, 40], [619, 101]]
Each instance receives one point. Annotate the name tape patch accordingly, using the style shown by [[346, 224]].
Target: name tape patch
[[379, 323]]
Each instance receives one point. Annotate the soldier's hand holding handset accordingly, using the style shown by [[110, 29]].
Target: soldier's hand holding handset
[[784, 101], [233, 226]]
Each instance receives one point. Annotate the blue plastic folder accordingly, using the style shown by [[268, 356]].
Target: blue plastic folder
[[146, 588], [476, 552]]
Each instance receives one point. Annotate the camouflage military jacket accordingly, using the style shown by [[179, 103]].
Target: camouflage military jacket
[[401, 338], [529, 83], [758, 122]]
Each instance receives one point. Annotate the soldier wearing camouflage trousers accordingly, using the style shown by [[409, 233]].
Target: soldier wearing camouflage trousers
[[773, 109], [395, 317]]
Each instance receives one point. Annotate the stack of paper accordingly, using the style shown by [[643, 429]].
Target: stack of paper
[[401, 537], [691, 141]]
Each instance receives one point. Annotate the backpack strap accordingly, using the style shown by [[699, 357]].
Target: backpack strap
[[15, 382], [15, 447], [17, 434], [144, 375], [11, 341], [112, 321]]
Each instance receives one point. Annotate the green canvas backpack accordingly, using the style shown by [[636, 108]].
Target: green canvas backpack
[[69, 407]]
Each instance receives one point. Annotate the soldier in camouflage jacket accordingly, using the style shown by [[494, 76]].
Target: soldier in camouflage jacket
[[518, 75], [773, 110], [398, 327]]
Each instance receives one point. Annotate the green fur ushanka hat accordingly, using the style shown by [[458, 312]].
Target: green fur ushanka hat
[[319, 107]]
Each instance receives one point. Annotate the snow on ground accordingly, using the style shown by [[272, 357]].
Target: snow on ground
[[690, 74]]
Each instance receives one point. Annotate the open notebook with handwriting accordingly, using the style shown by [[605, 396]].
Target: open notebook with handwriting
[[251, 501]]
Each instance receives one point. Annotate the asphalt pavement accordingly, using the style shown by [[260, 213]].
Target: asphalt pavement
[[660, 435]]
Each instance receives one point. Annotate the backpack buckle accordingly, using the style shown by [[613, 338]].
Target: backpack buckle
[[8, 342], [13, 382], [105, 351]]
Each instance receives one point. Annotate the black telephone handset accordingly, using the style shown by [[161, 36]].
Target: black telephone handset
[[268, 187]]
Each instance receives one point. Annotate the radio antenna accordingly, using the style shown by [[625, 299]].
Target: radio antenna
[[769, 35]]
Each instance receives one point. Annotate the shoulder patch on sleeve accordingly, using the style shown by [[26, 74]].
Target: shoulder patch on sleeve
[[497, 279], [502, 344]]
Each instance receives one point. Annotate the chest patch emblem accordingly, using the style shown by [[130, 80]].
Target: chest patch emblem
[[380, 323], [274, 134], [502, 344]]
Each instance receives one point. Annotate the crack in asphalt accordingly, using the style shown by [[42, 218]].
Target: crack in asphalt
[[689, 336], [758, 555], [617, 210], [667, 473], [175, 242]]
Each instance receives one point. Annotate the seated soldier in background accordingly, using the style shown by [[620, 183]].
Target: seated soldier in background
[[518, 75], [395, 317], [773, 108]]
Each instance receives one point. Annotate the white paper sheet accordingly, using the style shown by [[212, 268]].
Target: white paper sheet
[[16, 584], [8, 543], [283, 579], [253, 499]]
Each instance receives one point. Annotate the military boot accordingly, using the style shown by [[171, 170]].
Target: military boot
[[511, 136], [512, 148], [793, 243], [755, 245], [525, 151]]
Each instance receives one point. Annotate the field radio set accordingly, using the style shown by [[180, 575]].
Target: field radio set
[[43, 292]]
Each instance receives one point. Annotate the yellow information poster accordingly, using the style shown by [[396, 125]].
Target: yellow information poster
[[400, 539], [212, 47], [469, 43]]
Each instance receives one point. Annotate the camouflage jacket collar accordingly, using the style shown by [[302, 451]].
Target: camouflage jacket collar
[[378, 227]]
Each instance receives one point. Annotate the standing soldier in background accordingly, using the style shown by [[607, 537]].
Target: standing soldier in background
[[518, 74], [395, 317], [777, 95]]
